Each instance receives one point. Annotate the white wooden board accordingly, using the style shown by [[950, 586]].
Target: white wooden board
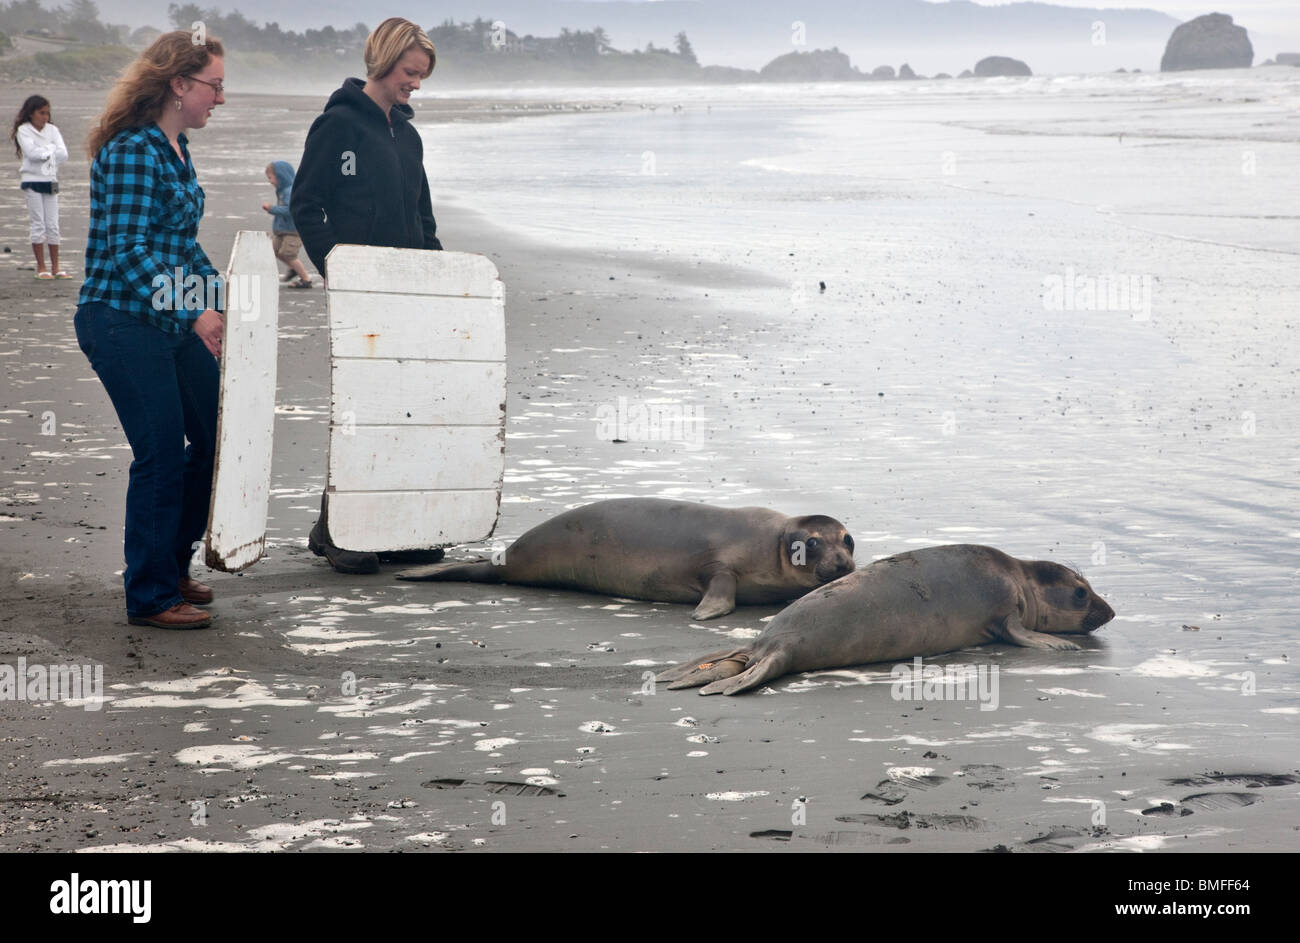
[[415, 392], [412, 519], [241, 481], [417, 398], [413, 458], [410, 272], [421, 327]]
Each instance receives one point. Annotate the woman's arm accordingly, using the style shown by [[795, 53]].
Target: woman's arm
[[127, 179], [203, 266], [322, 162], [427, 221]]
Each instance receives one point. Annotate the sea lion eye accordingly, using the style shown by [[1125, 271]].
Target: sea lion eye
[[1080, 594], [813, 544], [848, 542]]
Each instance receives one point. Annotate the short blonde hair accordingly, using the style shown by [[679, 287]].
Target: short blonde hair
[[391, 40]]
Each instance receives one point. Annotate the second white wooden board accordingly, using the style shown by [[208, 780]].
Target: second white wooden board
[[417, 398], [241, 482]]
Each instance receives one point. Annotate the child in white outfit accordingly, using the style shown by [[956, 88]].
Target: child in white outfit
[[41, 147]]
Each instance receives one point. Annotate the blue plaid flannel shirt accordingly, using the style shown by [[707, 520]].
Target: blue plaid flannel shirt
[[142, 254]]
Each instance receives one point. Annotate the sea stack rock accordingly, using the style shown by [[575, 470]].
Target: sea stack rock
[[905, 72], [820, 65], [1000, 65], [1288, 58], [882, 72], [1207, 42]]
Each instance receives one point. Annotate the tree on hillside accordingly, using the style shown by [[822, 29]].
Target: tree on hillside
[[239, 32], [81, 21], [182, 15], [684, 49], [23, 15], [144, 35], [464, 38], [579, 45]]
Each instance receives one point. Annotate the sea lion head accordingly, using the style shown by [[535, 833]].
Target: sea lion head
[[1066, 603], [818, 549]]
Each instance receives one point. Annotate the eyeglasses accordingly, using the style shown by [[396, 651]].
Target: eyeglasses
[[216, 86]]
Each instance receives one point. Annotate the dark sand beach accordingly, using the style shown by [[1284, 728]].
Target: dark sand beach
[[334, 713]]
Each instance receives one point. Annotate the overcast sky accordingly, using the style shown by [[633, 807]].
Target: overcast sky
[[1279, 18]]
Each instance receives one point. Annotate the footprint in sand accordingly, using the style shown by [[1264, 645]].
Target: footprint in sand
[[1204, 802], [825, 839], [496, 787], [902, 782], [951, 823], [1248, 780]]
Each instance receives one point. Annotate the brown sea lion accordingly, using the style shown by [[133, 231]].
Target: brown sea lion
[[925, 602], [669, 551]]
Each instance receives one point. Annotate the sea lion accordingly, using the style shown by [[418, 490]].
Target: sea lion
[[669, 551], [925, 602]]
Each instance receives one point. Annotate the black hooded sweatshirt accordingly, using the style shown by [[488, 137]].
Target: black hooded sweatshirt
[[362, 181]]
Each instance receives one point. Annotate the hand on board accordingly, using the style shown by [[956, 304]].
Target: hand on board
[[211, 327]]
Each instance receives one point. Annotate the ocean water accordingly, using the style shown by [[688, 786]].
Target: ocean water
[[683, 170], [1059, 316]]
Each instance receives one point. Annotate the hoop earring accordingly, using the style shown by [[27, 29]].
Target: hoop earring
[[178, 104]]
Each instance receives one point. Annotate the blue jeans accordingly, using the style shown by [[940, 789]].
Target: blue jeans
[[164, 388]]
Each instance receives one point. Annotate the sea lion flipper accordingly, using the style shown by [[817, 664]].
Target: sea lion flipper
[[1013, 631], [768, 667], [481, 572], [719, 596], [702, 670]]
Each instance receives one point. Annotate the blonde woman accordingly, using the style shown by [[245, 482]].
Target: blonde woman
[[155, 350], [362, 181], [40, 145]]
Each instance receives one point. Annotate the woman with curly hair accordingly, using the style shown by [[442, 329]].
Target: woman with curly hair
[[153, 345]]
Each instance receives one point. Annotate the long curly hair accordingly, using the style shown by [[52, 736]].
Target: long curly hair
[[142, 91], [33, 104]]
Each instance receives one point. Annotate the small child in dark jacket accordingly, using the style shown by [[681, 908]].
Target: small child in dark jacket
[[284, 235]]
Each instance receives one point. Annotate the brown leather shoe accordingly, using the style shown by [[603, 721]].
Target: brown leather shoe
[[194, 592], [180, 616]]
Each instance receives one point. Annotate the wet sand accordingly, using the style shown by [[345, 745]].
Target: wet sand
[[331, 712]]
